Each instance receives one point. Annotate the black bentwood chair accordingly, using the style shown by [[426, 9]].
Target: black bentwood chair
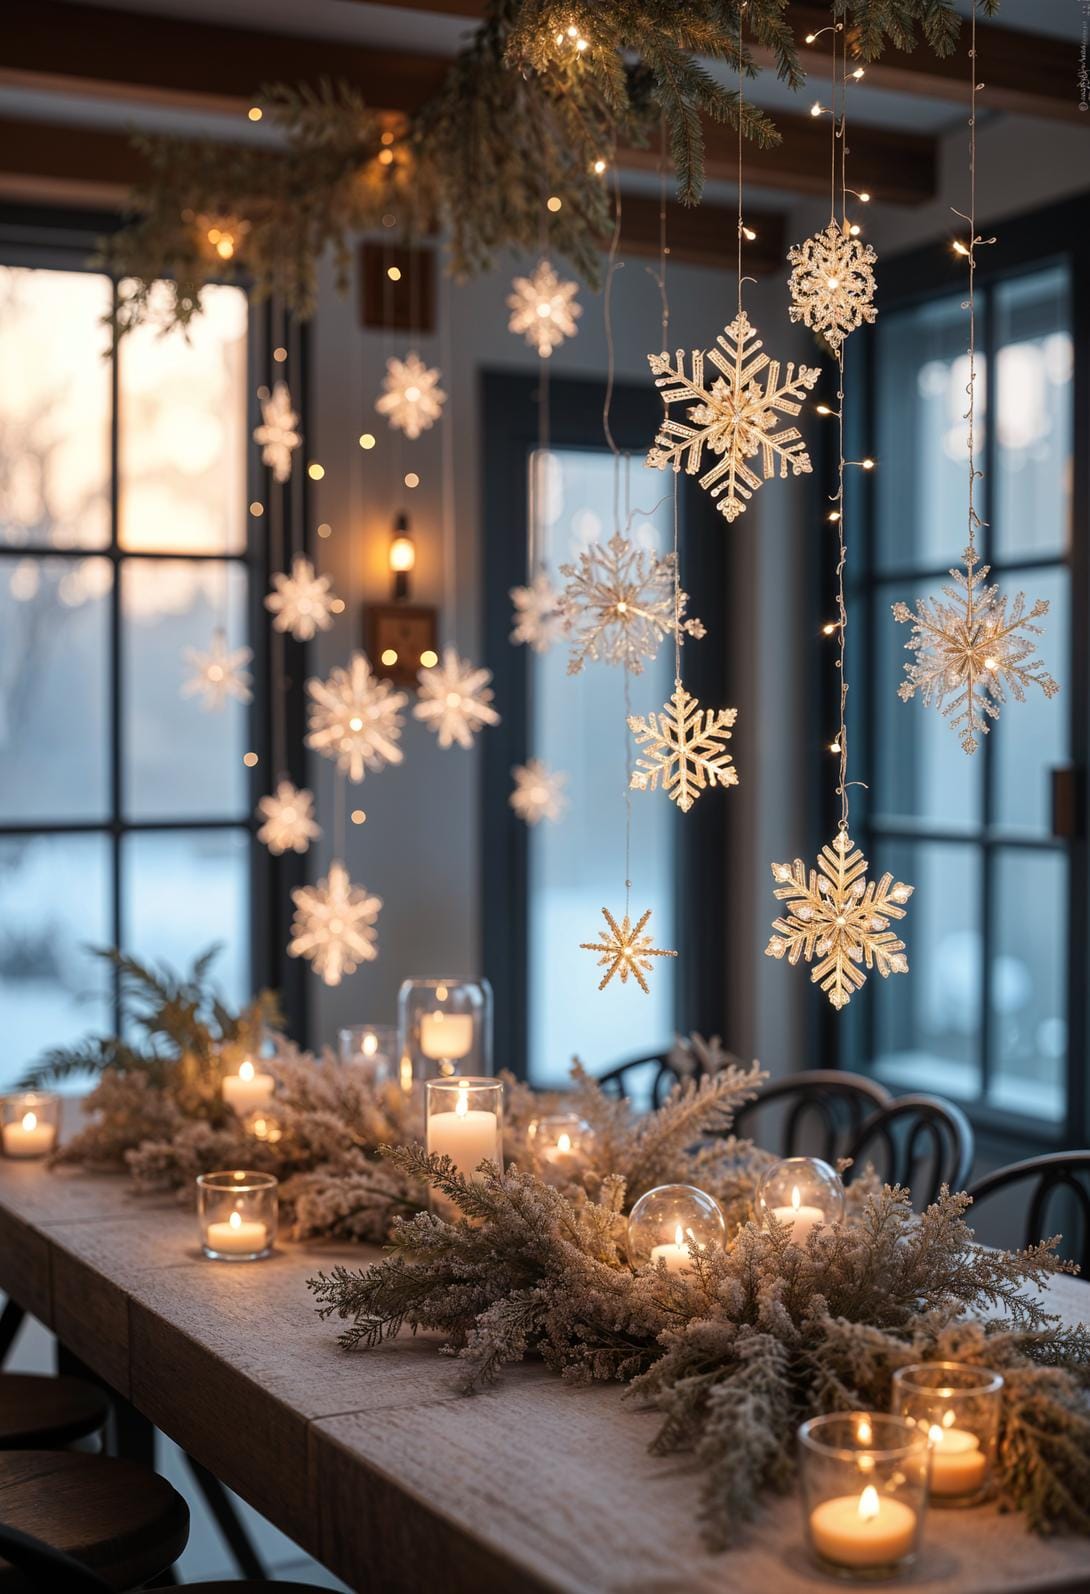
[[1061, 1173], [818, 1112], [647, 1081], [920, 1142]]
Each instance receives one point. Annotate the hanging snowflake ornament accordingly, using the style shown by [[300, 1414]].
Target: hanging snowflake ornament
[[301, 603], [455, 700], [733, 417], [538, 619], [832, 285], [619, 604], [970, 651], [538, 793], [411, 398], [287, 819], [356, 719], [334, 925], [219, 673], [543, 308], [625, 949], [684, 747], [278, 436], [839, 917]]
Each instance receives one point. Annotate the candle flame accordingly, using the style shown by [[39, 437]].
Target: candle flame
[[796, 1199], [235, 1220], [948, 1419], [863, 1431], [563, 1143], [935, 1434], [679, 1236], [868, 1504], [30, 1120], [441, 993], [246, 1070], [406, 1074], [461, 1106], [370, 1045], [261, 1129]]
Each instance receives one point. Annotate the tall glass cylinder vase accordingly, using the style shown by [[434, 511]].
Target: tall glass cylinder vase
[[444, 1028]]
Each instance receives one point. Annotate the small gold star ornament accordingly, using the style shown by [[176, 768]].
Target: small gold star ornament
[[625, 949]]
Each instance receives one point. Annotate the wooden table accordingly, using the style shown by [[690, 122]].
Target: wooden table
[[376, 1466]]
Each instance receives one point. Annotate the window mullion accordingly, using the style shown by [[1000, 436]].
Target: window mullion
[[986, 497], [116, 718]]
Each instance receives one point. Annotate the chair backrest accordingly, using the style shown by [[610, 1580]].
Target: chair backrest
[[44, 1567], [646, 1081], [818, 1112], [1059, 1173], [920, 1142]]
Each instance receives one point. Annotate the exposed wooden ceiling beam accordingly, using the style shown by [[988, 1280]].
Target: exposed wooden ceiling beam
[[161, 60], [701, 235]]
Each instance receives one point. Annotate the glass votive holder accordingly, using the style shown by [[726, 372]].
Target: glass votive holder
[[668, 1221], [371, 1048], [864, 1492], [444, 1027], [957, 1408], [236, 1214], [28, 1123], [560, 1145], [802, 1192], [249, 1089], [464, 1121]]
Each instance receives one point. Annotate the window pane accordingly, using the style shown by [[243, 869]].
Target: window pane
[[55, 409], [1035, 384], [1027, 982], [922, 480], [54, 903], [927, 1022], [182, 891], [922, 772], [1032, 736], [181, 759], [578, 865], [182, 438], [54, 673]]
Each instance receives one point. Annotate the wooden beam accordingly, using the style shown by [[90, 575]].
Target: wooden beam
[[701, 235], [95, 50]]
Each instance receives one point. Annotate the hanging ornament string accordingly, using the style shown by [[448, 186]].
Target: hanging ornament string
[[278, 544], [974, 474], [449, 595]]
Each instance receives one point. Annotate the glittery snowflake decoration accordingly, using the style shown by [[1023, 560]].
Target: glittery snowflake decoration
[[684, 747], [218, 674], [356, 719], [411, 399], [733, 417], [832, 285], [278, 435], [544, 308], [333, 926], [301, 603], [625, 949], [971, 652], [287, 819], [538, 793], [619, 604], [538, 620], [839, 917], [455, 700]]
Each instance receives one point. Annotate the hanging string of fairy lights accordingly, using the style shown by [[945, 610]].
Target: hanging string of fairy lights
[[835, 919], [969, 650]]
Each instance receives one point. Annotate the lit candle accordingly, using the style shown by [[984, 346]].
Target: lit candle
[[468, 1136], [864, 1531], [958, 1465], [676, 1256], [446, 1037], [237, 1237], [247, 1089], [28, 1137], [560, 1155], [801, 1219]]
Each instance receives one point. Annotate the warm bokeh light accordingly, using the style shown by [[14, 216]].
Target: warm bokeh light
[[412, 479], [255, 113], [429, 659], [358, 816], [367, 440], [315, 471], [249, 759], [402, 554], [325, 529], [389, 656]]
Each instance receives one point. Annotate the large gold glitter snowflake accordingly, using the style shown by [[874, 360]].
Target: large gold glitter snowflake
[[625, 949], [334, 925], [839, 917], [832, 285], [619, 604], [355, 718], [733, 417], [411, 398], [543, 308], [685, 747], [972, 648]]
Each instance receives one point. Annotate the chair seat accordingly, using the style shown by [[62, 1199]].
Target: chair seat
[[41, 1413], [116, 1517]]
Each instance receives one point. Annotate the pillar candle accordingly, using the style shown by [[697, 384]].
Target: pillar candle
[[446, 1037], [28, 1137], [863, 1530], [247, 1089], [675, 1255], [958, 1465], [468, 1136], [801, 1219], [239, 1236]]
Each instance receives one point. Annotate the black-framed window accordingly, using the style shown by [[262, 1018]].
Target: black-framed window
[[543, 889], [126, 537], [993, 1012]]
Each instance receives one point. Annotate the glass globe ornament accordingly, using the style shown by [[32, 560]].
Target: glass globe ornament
[[669, 1221], [802, 1194]]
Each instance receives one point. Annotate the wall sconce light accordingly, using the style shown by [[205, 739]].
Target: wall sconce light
[[401, 637], [402, 557]]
